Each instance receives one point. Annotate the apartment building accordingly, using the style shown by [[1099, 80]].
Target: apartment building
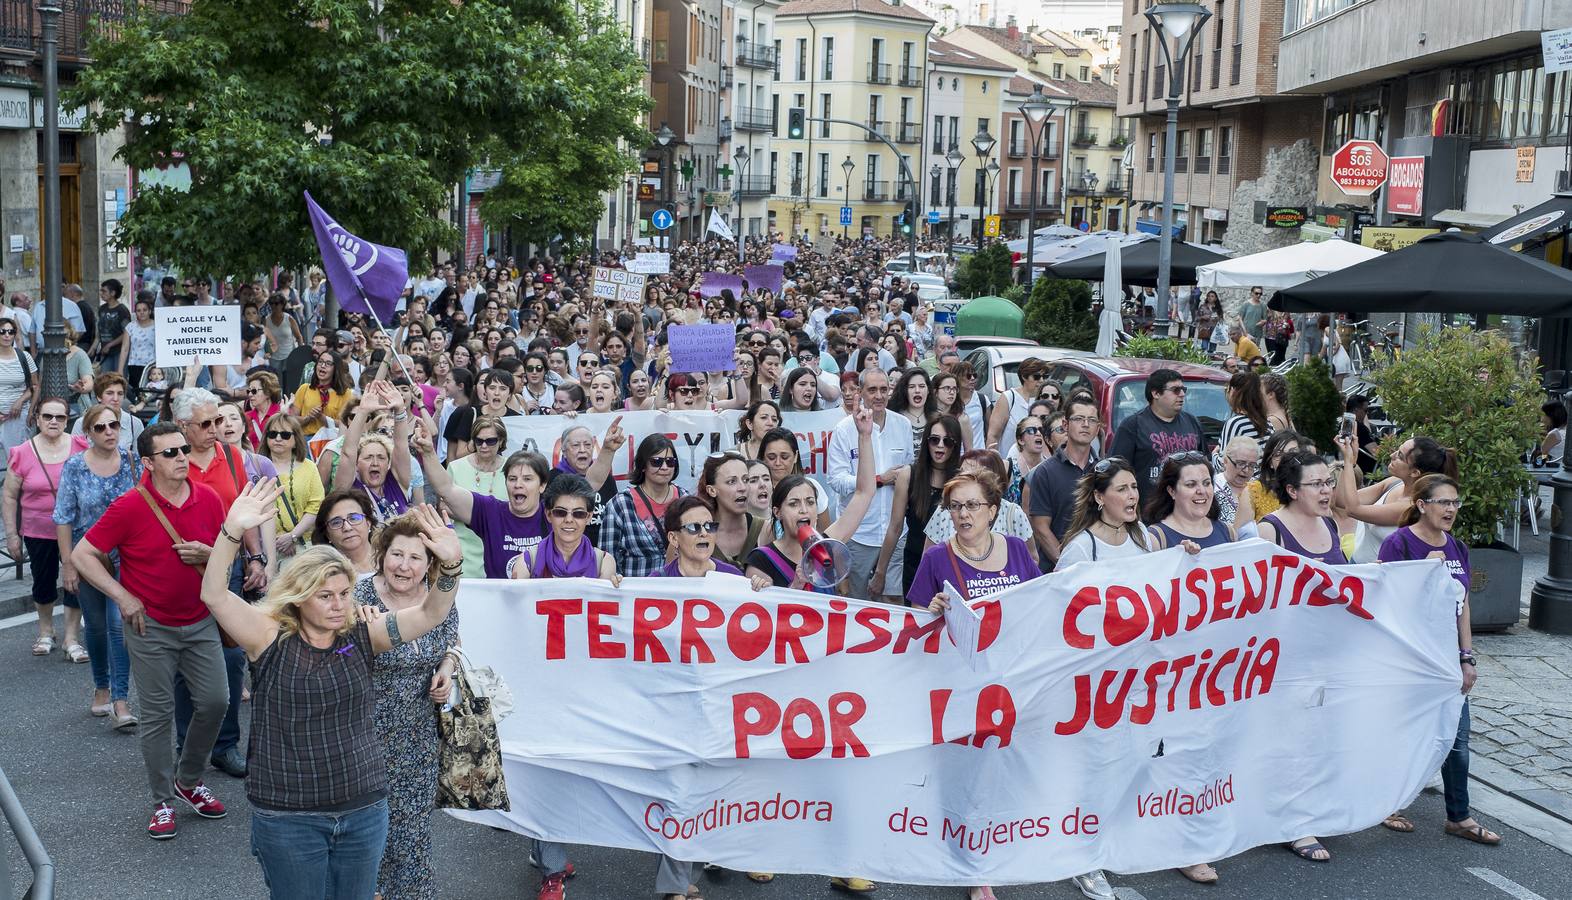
[[1231, 116], [861, 62], [619, 218], [966, 94], [685, 82], [744, 182]]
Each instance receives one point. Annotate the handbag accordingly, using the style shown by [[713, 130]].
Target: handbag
[[469, 758]]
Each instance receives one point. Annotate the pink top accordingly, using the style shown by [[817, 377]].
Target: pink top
[[40, 484]]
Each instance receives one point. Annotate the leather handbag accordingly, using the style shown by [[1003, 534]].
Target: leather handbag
[[469, 763]]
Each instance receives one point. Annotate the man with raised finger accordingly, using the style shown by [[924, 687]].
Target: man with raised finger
[[163, 532]]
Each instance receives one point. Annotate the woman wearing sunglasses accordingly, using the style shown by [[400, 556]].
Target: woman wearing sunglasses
[[262, 404], [632, 528], [1031, 445], [723, 485], [300, 497], [345, 523], [692, 529], [89, 482], [1426, 533], [33, 472], [917, 494], [946, 390]]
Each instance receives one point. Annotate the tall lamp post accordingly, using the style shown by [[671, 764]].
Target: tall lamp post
[[934, 174], [744, 158], [990, 185], [1177, 24], [847, 167], [953, 159], [52, 364], [663, 138], [983, 143], [1094, 204], [1036, 110]]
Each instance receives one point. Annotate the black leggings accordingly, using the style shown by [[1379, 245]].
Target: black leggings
[[43, 557]]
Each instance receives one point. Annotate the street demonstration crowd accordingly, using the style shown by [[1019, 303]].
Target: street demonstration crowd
[[313, 510]]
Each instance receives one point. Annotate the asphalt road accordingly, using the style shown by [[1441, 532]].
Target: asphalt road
[[84, 788]]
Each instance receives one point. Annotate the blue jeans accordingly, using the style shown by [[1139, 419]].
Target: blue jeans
[[315, 856], [106, 645], [234, 670], [1454, 772]]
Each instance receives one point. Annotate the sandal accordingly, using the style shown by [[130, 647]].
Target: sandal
[[1476, 832], [76, 653], [1309, 851], [44, 645], [760, 877], [101, 710], [1200, 873], [1398, 822]]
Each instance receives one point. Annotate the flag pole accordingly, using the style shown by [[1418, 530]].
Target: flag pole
[[372, 310]]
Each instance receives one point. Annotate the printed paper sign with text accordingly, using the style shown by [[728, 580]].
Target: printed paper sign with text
[[209, 335], [1127, 715]]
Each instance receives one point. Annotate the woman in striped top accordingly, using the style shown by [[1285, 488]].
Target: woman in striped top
[[1246, 400]]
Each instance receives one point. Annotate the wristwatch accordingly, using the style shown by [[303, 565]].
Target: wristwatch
[[1467, 658], [256, 557]]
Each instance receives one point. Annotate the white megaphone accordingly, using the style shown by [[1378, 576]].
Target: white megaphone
[[825, 561]]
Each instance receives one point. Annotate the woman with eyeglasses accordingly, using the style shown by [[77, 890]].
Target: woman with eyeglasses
[[946, 390], [761, 417], [18, 385], [1303, 485], [537, 394], [1426, 533], [1011, 520], [724, 489], [324, 397], [262, 404], [1263, 490], [1380, 508], [1031, 445], [917, 494], [375, 463], [346, 522], [88, 482], [32, 477], [301, 491], [631, 529], [686, 390], [1241, 459], [461, 357]]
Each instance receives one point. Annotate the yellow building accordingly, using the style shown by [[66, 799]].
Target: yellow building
[[861, 61], [966, 94]]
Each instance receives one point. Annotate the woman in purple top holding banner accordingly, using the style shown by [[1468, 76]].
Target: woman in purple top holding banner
[[505, 528], [977, 561], [1426, 533]]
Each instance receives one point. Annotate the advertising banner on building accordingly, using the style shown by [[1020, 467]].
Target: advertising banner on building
[[1405, 186], [1127, 715]]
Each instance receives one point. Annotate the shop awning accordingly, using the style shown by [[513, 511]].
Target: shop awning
[[1466, 219], [1552, 215]]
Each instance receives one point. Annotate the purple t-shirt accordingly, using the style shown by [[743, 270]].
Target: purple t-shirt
[[935, 570], [672, 570], [1404, 544], [502, 534]]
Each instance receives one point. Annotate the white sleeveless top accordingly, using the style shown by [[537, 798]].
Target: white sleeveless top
[[1368, 538]]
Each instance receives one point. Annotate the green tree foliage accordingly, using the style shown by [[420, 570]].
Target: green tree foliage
[[1144, 346], [1469, 391], [985, 273], [377, 109], [1059, 314], [1314, 402]]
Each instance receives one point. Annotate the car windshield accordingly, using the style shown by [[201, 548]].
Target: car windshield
[[1205, 400]]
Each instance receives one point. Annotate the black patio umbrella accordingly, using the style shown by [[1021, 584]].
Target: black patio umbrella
[[1139, 264], [1440, 273]]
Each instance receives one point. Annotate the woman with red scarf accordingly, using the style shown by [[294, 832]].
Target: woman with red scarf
[[325, 396]]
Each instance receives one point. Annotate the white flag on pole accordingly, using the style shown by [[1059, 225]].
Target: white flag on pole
[[718, 226]]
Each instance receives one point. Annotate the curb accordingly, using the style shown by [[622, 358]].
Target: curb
[[1526, 791], [16, 596]]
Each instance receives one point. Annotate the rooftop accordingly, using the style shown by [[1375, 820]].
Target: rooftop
[[944, 53], [864, 7]]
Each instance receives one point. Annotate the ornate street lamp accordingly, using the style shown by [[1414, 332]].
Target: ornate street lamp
[[1036, 109], [953, 159], [1177, 24], [847, 167]]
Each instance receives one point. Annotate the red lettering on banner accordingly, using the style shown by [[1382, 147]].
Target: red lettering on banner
[[757, 715], [599, 646], [1121, 629], [928, 634], [995, 716], [842, 738], [1103, 700], [745, 643], [835, 634], [556, 613], [1165, 614], [1084, 599], [797, 744], [693, 647], [646, 646], [875, 619], [793, 622], [766, 717]]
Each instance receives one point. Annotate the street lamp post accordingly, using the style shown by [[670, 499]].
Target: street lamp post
[[1176, 24], [664, 137], [983, 143], [1036, 110], [1094, 204], [847, 167], [953, 159], [52, 365], [990, 185], [744, 158], [934, 173]]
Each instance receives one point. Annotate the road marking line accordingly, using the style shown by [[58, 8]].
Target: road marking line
[[1490, 876], [24, 618]]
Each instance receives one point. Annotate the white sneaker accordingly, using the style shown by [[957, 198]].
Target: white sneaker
[[1094, 885]]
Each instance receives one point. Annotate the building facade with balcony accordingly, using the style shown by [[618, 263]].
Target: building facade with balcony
[[860, 61], [748, 114], [94, 186], [1232, 118], [620, 214], [966, 94], [687, 56]]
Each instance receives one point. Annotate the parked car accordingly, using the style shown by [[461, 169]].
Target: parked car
[[1119, 385], [996, 359]]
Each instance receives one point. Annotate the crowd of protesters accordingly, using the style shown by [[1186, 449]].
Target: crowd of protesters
[[308, 516]]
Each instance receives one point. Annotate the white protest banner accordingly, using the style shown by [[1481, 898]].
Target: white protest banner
[[650, 263], [209, 335], [1128, 715], [618, 285]]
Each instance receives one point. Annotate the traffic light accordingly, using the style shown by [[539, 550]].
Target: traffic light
[[907, 217], [795, 121]]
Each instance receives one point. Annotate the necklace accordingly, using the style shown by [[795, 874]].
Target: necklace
[[986, 553], [491, 482]]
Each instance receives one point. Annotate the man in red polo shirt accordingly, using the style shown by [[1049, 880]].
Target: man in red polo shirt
[[167, 627]]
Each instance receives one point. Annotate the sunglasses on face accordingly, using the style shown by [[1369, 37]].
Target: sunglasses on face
[[487, 442], [534, 370], [562, 512], [688, 391], [940, 440], [695, 528], [663, 462], [51, 417], [173, 452], [106, 427], [203, 425], [280, 435], [1031, 429], [7, 332], [344, 523]]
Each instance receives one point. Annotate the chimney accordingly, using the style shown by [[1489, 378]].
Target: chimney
[[1011, 29]]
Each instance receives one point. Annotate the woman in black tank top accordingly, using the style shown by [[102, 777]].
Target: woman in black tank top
[[1184, 504]]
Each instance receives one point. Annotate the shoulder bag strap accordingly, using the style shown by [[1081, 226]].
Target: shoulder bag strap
[[174, 536], [229, 459], [33, 442], [960, 580]]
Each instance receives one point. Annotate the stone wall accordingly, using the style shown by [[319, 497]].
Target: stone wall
[[1288, 178]]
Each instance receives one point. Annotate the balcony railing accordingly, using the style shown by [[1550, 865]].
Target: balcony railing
[[909, 133], [1018, 148], [878, 73], [755, 56], [754, 186], [904, 191], [725, 129], [880, 127], [1023, 203], [1086, 137], [1121, 138], [911, 76], [876, 191], [747, 119], [1052, 150], [1116, 187], [728, 76], [21, 27]]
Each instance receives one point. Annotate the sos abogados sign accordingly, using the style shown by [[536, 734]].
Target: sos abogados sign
[[1359, 168]]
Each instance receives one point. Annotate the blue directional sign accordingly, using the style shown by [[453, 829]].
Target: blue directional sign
[[846, 215], [661, 219], [933, 217]]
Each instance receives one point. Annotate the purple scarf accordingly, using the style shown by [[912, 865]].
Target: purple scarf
[[550, 564], [391, 504]]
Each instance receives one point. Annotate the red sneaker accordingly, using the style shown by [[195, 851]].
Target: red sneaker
[[551, 887], [162, 826], [202, 800]]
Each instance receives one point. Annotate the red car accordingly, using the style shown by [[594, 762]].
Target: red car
[[1119, 384]]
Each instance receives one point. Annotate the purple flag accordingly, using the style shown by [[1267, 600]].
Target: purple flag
[[715, 282], [366, 277], [766, 277], [783, 252]]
